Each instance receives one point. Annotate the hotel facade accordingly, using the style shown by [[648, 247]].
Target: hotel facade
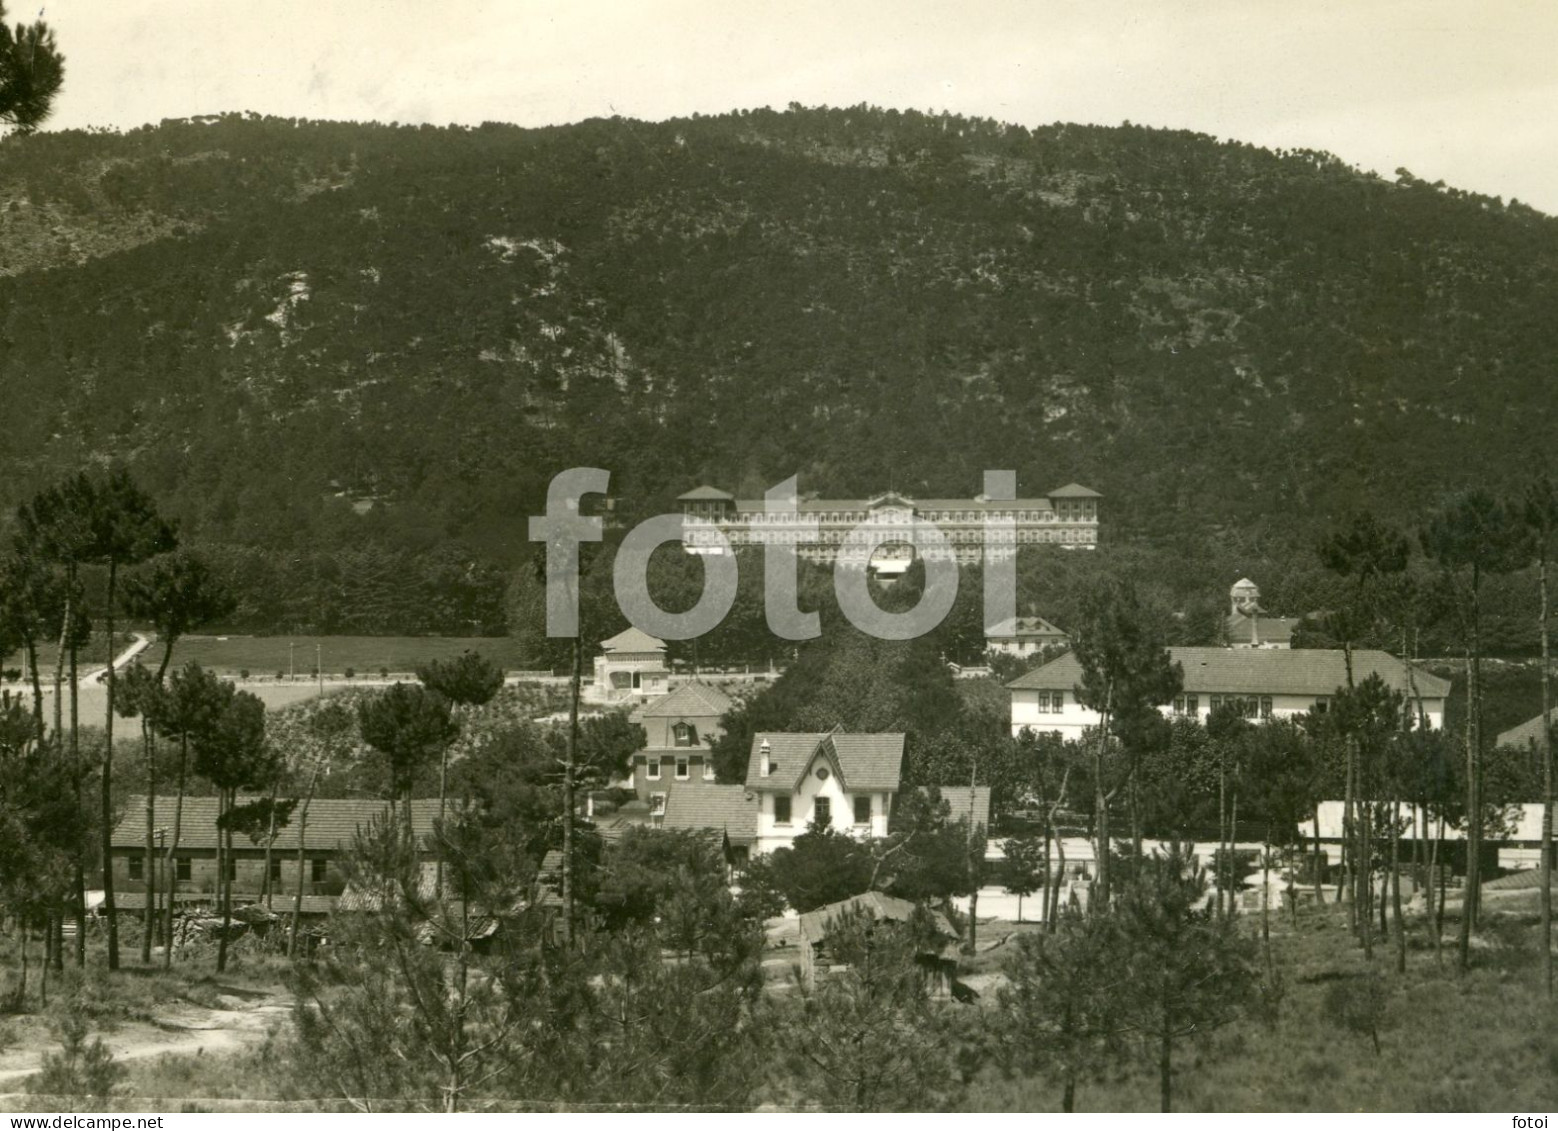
[[887, 532]]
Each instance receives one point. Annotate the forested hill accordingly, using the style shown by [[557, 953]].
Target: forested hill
[[306, 335]]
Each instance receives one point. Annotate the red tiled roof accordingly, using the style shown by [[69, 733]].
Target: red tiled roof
[[632, 640], [1019, 627], [878, 905], [1527, 732], [1250, 671], [705, 492], [331, 822], [732, 808], [690, 700], [865, 761], [963, 802]]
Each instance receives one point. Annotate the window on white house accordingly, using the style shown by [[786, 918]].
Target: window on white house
[[863, 809], [708, 769], [182, 867], [684, 734], [137, 866], [652, 769], [317, 870], [275, 869], [1265, 706], [822, 812], [781, 810], [656, 804], [682, 770]]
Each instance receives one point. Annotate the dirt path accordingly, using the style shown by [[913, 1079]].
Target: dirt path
[[182, 1030]]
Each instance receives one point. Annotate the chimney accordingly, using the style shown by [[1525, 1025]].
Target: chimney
[[765, 752]]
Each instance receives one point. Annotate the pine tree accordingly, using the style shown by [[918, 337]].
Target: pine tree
[[32, 73], [1471, 537]]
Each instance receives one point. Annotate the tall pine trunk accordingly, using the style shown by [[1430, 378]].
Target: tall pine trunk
[[31, 646], [1052, 915], [107, 831], [1347, 888], [1319, 864], [1395, 889], [1220, 872], [1439, 878], [81, 802], [270, 847], [297, 908], [1233, 837], [1099, 901], [572, 750], [224, 881], [1547, 777], [171, 856], [149, 916], [1365, 903], [1044, 887], [1473, 792]]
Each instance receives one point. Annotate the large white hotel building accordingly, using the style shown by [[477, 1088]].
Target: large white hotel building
[[845, 531]]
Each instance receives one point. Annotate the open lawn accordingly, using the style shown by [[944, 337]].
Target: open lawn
[[367, 656], [1483, 1041], [92, 701], [264, 656]]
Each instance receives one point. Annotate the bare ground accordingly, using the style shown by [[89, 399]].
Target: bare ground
[[241, 1020]]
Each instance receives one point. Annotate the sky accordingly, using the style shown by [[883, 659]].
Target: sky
[[1454, 91]]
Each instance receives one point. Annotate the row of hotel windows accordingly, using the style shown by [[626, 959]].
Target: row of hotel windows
[[683, 769], [784, 518], [836, 537], [1250, 706], [822, 810], [183, 867]]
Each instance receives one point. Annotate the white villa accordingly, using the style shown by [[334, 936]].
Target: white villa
[[1275, 683], [631, 665], [846, 781]]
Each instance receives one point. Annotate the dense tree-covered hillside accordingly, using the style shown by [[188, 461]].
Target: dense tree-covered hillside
[[308, 336]]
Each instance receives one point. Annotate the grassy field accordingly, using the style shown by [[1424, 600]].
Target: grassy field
[[1483, 1041], [264, 656]]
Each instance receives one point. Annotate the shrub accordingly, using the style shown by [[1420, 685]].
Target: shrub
[[1359, 1005], [349, 672], [78, 1070]]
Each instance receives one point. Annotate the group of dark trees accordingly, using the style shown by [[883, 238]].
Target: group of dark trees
[[1403, 785], [454, 1004], [86, 555]]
